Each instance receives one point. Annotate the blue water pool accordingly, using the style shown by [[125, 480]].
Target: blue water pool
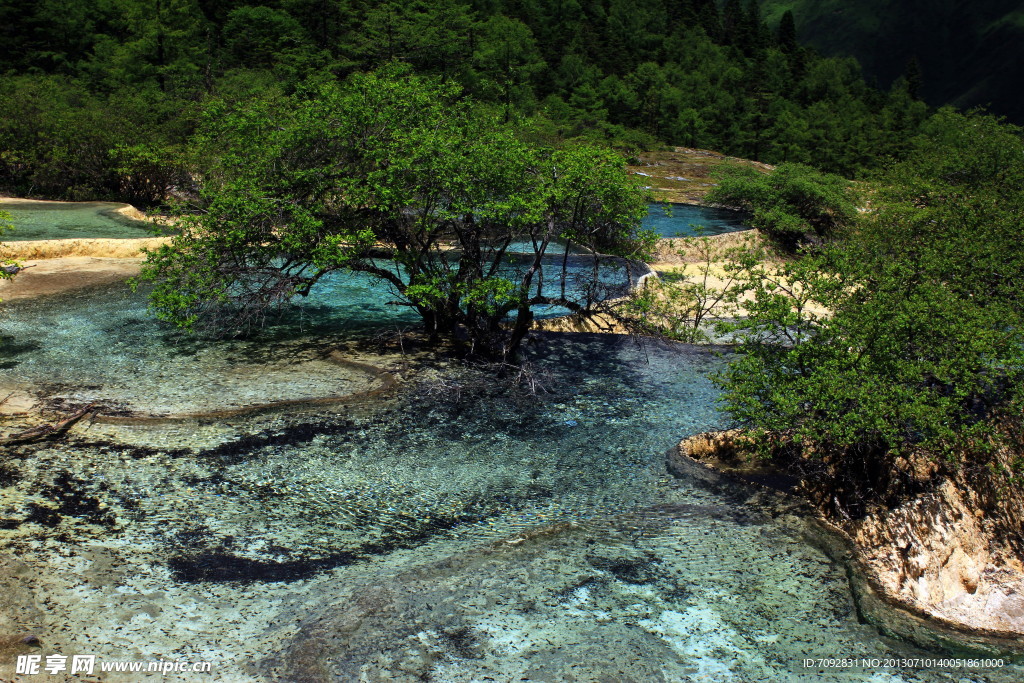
[[688, 220], [38, 220]]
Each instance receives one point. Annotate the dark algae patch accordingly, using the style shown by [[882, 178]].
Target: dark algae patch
[[238, 450], [222, 566], [70, 496]]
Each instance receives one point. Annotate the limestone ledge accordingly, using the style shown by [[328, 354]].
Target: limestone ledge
[[927, 571], [91, 247]]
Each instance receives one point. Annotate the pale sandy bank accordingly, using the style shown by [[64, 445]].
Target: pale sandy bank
[[55, 275], [100, 247]]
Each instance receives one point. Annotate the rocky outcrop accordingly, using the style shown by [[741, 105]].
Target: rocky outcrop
[[708, 455], [937, 568], [934, 553], [683, 174]]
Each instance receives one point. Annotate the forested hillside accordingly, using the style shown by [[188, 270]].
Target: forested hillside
[[968, 53], [100, 96]]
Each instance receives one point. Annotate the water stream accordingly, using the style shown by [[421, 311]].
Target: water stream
[[64, 220], [451, 529]]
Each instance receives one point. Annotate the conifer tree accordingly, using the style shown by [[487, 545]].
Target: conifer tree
[[787, 33]]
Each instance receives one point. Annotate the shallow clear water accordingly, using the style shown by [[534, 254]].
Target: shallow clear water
[[688, 220], [70, 220], [103, 346], [64, 220], [457, 531]]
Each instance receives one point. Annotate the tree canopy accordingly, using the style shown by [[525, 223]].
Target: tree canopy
[[793, 204], [394, 175], [85, 80], [922, 341]]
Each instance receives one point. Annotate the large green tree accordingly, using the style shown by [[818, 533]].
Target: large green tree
[[394, 176]]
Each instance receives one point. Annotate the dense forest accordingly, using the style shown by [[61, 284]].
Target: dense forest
[[101, 96]]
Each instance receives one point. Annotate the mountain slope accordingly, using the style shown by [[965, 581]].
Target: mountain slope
[[970, 53]]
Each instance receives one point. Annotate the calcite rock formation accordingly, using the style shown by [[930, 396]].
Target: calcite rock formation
[[934, 552]]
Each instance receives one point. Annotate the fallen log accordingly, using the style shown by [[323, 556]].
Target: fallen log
[[48, 431], [12, 269]]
